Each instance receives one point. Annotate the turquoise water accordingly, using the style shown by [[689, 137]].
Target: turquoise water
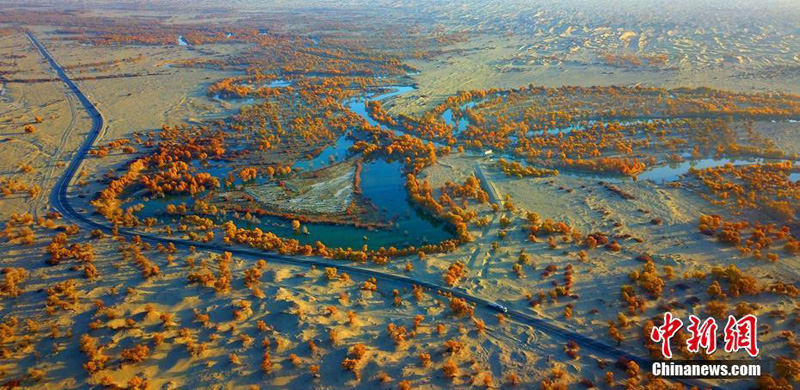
[[358, 106], [458, 125], [672, 172], [336, 152], [667, 172], [382, 182], [339, 150]]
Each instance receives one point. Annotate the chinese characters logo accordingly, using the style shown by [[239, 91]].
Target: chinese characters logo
[[740, 334]]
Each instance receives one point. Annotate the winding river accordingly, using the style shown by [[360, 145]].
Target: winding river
[[382, 182], [659, 173]]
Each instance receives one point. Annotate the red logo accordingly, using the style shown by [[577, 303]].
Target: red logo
[[664, 333], [739, 334], [703, 335]]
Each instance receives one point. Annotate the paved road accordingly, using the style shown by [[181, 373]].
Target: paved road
[[488, 186], [60, 201]]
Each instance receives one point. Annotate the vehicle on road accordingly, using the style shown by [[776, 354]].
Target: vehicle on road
[[498, 307]]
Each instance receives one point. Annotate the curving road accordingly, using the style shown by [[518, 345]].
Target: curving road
[[60, 201]]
